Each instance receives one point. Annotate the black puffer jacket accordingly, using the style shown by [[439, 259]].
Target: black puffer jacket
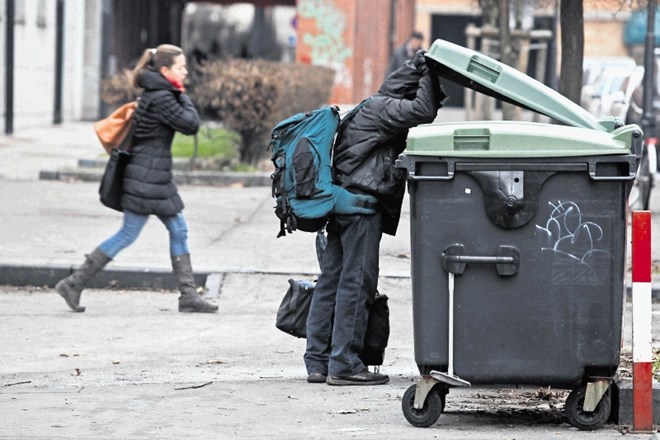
[[148, 183], [371, 141]]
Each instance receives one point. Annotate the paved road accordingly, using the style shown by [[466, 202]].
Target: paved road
[[131, 367]]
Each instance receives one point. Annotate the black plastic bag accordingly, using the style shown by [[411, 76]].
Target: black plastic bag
[[294, 308], [111, 188], [378, 331]]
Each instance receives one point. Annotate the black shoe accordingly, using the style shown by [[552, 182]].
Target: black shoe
[[316, 378], [364, 378]]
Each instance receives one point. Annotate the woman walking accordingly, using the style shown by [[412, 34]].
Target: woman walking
[[148, 185]]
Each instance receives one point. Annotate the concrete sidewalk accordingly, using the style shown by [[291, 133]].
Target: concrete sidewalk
[[48, 225], [53, 223]]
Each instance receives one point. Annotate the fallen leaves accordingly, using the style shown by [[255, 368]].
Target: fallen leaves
[[626, 363]]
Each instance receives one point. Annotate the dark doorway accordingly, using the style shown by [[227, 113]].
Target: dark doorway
[[141, 24]]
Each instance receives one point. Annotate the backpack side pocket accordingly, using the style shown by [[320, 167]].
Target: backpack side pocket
[[305, 169]]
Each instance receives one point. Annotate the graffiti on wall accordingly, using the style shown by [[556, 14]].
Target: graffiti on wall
[[327, 46]]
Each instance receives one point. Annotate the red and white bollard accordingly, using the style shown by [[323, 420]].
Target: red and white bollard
[[641, 322]]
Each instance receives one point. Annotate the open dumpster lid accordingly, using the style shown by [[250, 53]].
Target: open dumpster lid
[[488, 76]]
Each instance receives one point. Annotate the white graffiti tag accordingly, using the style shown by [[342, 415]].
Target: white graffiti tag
[[570, 235]]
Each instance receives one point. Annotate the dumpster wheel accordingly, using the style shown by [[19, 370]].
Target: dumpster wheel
[[429, 413], [586, 420]]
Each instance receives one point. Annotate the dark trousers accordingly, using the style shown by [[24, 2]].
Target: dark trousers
[[338, 315]]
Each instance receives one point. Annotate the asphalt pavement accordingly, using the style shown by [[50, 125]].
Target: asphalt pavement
[[132, 367]]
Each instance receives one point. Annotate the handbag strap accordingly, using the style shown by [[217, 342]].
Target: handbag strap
[[134, 121]]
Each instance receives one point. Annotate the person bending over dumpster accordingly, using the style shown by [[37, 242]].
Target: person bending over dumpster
[[364, 155]]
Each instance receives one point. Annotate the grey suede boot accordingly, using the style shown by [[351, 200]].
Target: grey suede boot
[[189, 301], [72, 286]]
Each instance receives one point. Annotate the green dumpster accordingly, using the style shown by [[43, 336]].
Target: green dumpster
[[518, 241]]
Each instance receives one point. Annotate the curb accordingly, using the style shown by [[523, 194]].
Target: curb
[[148, 278], [128, 278], [182, 177], [118, 278], [622, 402]]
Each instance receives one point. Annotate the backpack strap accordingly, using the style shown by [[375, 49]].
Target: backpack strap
[[288, 222], [342, 125], [349, 115], [129, 141]]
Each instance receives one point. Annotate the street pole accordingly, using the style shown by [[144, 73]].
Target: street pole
[[59, 61], [9, 67], [648, 119], [392, 30], [642, 328]]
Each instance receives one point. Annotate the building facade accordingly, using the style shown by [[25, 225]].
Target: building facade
[[54, 68], [34, 61]]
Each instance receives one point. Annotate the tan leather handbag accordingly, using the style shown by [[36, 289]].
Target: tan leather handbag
[[114, 130]]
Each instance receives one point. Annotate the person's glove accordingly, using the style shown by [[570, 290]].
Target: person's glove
[[419, 61], [348, 203]]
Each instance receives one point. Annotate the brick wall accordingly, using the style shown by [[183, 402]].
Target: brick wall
[[354, 38]]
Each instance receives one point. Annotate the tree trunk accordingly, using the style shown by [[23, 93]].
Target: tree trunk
[[253, 146], [571, 19], [506, 55]]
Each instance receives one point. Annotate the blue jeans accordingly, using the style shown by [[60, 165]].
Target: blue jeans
[[337, 320], [132, 226]]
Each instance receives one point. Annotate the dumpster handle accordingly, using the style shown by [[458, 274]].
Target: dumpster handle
[[507, 260], [415, 177], [476, 259], [412, 176], [629, 170], [431, 177], [611, 178]]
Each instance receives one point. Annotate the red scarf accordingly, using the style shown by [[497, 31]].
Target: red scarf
[[175, 82]]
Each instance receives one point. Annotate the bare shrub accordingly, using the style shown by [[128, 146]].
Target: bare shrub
[[119, 89], [247, 96], [251, 96]]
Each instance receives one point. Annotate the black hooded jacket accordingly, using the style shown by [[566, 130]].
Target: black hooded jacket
[[148, 182], [373, 138]]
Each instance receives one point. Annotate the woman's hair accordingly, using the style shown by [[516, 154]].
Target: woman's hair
[[154, 59]]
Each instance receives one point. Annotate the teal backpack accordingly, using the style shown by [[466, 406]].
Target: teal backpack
[[302, 185]]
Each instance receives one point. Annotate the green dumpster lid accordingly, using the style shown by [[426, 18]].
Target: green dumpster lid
[[488, 76], [511, 139]]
